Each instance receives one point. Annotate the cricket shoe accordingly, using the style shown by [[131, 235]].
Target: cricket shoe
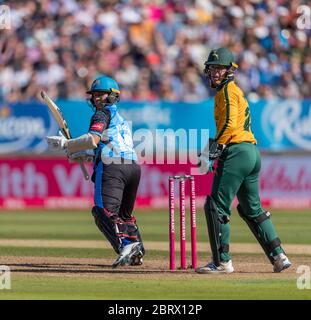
[[137, 258], [211, 268], [281, 263], [127, 253]]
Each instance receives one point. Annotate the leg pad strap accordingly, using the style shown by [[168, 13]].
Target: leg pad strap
[[133, 230], [253, 224], [111, 226]]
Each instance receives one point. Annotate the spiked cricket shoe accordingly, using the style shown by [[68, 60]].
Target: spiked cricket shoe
[[211, 268], [127, 253], [281, 263]]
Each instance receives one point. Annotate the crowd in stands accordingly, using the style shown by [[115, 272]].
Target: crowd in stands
[[154, 49]]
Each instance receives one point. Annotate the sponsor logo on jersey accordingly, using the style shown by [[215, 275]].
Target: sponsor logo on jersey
[[97, 127]]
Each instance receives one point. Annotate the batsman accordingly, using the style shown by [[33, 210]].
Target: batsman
[[116, 173], [237, 172]]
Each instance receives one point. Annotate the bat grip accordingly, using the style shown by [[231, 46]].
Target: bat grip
[[85, 173]]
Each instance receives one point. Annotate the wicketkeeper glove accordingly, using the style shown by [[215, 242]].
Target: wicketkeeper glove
[[85, 155], [215, 149], [57, 143]]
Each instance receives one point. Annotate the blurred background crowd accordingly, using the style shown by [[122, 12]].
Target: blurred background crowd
[[154, 49]]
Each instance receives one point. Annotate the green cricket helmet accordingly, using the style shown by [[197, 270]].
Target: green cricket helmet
[[220, 57], [108, 85]]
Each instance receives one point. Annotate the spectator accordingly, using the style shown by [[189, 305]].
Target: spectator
[[62, 45]]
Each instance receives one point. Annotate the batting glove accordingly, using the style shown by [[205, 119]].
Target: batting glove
[[85, 155], [57, 143]]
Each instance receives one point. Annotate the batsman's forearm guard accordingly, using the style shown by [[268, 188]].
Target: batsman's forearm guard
[[81, 143]]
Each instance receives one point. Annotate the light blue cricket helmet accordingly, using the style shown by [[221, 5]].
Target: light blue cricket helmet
[[108, 85], [105, 84]]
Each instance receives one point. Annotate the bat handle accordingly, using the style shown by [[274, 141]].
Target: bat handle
[[85, 173]]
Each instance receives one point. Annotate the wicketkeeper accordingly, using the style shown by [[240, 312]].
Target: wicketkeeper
[[116, 172], [237, 172]]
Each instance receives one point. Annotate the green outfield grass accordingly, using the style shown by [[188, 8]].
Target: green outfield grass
[[292, 227], [60, 287]]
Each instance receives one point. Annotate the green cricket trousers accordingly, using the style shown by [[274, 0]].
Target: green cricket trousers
[[237, 174]]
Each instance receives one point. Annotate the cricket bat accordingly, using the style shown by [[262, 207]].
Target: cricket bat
[[58, 116]]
